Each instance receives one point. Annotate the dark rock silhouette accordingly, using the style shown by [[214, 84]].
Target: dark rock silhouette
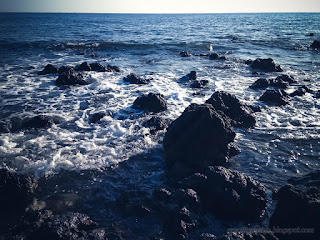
[[83, 67], [135, 79], [48, 69], [299, 92], [286, 78], [266, 64], [240, 114], [150, 102], [70, 77], [97, 67], [197, 139], [155, 124], [199, 84], [315, 44], [185, 54], [96, 117], [275, 96]]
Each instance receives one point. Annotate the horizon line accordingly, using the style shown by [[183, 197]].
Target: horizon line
[[156, 12]]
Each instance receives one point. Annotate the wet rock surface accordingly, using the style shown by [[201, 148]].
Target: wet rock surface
[[240, 114], [315, 44], [48, 69], [275, 96], [199, 83], [135, 79], [266, 64], [197, 139], [150, 102], [70, 77], [155, 124], [83, 67]]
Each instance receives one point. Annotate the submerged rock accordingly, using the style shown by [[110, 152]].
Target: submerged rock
[[83, 67], [315, 44], [49, 69], [185, 54], [135, 79], [275, 96], [297, 207], [40, 121], [229, 194], [96, 117], [214, 56], [266, 64], [70, 77], [197, 139], [199, 84], [155, 124], [239, 113], [150, 102]]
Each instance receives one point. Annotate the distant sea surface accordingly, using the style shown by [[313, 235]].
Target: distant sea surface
[[284, 143]]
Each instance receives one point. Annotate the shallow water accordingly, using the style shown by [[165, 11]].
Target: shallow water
[[284, 143]]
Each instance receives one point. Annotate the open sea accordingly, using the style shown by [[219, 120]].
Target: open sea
[[118, 153]]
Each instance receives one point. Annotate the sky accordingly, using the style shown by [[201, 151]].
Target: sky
[[160, 6]]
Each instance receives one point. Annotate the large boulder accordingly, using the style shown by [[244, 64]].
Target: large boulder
[[49, 69], [70, 77], [83, 67], [150, 102], [239, 113], [97, 67], [135, 79], [275, 96], [197, 139], [266, 64], [229, 194], [315, 44], [297, 208]]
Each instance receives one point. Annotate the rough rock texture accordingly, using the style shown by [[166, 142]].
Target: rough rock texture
[[199, 84], [239, 113], [97, 67], [315, 44], [135, 79], [40, 121], [261, 83], [65, 69], [299, 92], [266, 64], [16, 194], [155, 124], [151, 102], [229, 194], [83, 67], [110, 68], [49, 69], [275, 96], [70, 77], [297, 207], [197, 139], [286, 78]]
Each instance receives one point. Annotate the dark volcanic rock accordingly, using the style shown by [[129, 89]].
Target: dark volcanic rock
[[275, 96], [112, 68], [49, 69], [199, 84], [96, 117], [197, 139], [83, 67], [315, 44], [239, 113], [213, 56], [185, 54], [65, 69], [192, 75], [40, 121], [97, 67], [70, 78], [151, 102], [279, 83], [229, 194], [135, 79], [299, 92], [261, 83], [16, 193], [297, 208], [286, 78], [155, 124], [267, 65]]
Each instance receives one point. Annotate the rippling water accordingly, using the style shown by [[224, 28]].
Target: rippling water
[[284, 143]]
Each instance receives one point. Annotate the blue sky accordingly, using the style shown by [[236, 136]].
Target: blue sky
[[160, 6]]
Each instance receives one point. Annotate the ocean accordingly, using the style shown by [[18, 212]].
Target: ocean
[[285, 142]]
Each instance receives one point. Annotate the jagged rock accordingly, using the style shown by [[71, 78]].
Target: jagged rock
[[239, 113], [197, 139], [83, 67], [286, 78], [199, 84], [190, 76], [65, 69], [229, 194], [96, 117], [315, 44], [279, 83], [49, 69], [310, 34], [110, 68], [135, 79], [155, 124], [275, 96], [151, 102], [299, 92], [261, 83], [70, 78], [97, 67], [297, 207], [267, 65]]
